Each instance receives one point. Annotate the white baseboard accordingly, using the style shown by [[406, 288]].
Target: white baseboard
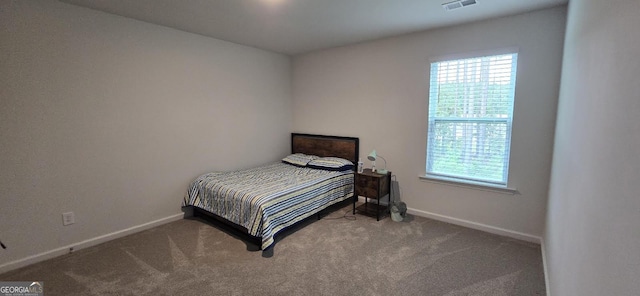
[[545, 268], [478, 226], [86, 243]]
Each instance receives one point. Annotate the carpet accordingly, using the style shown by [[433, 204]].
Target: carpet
[[340, 254]]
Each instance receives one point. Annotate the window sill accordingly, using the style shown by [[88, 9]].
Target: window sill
[[468, 184]]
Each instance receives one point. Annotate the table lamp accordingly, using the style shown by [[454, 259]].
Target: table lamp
[[373, 156]]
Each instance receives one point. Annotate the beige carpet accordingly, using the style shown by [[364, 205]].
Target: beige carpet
[[332, 256]]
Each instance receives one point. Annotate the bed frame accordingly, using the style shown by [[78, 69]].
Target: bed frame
[[320, 145]]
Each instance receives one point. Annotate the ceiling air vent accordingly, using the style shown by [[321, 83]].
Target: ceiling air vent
[[458, 4]]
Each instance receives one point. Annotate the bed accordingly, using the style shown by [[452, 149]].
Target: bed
[[260, 202]]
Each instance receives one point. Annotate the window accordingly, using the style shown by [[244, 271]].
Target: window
[[470, 116]]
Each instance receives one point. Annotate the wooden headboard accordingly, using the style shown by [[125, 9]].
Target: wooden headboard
[[321, 145]]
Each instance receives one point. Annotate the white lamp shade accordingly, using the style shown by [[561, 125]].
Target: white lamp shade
[[373, 155]]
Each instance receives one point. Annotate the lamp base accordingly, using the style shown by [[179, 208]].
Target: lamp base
[[382, 172]]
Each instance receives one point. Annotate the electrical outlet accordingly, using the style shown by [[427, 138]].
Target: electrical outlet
[[68, 218]]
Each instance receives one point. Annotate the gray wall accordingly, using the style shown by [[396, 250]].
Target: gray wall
[[378, 91], [592, 236], [111, 118]]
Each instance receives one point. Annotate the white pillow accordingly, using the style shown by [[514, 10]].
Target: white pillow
[[299, 159]]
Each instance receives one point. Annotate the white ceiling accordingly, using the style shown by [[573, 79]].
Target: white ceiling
[[299, 26]]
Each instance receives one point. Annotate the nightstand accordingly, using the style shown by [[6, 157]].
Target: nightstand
[[375, 186]]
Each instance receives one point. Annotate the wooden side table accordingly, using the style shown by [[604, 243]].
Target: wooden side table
[[372, 185]]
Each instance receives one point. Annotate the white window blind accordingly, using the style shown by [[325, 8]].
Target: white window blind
[[470, 115]]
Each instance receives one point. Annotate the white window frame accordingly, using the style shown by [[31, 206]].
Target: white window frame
[[501, 185]]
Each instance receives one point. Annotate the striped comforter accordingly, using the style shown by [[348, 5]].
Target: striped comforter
[[266, 199]]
